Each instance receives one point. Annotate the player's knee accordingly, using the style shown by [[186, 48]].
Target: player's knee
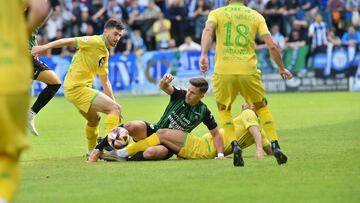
[[115, 108]]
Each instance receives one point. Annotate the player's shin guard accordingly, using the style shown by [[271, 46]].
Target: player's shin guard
[[44, 97], [142, 145], [91, 136], [268, 122], [9, 178], [111, 122]]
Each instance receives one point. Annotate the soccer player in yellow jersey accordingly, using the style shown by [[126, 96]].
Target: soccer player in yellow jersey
[[91, 59], [235, 71], [15, 80]]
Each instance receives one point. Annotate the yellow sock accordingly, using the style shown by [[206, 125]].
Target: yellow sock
[[111, 122], [91, 134], [142, 145], [226, 122], [9, 178], [267, 122]]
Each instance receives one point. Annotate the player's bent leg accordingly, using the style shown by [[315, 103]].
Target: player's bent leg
[[103, 103], [53, 85], [155, 153], [173, 139], [136, 129]]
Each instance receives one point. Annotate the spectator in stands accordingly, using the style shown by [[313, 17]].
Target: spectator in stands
[[135, 12], [337, 9], [332, 38], [161, 28], [353, 12], [291, 7], [294, 42], [351, 38], [137, 42], [57, 51], [258, 5], [177, 16], [279, 39], [189, 45], [84, 21], [274, 12], [149, 17], [200, 14], [54, 23], [172, 45], [76, 16], [317, 33], [97, 12]]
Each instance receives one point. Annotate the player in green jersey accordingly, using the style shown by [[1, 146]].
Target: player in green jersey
[[184, 112]]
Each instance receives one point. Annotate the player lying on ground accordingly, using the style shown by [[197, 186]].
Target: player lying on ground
[[184, 112], [91, 59], [247, 132]]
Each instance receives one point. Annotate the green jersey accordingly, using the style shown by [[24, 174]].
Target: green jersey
[[32, 40], [182, 116]]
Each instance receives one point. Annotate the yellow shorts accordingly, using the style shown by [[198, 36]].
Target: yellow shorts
[[227, 87], [81, 97], [13, 121], [196, 148]]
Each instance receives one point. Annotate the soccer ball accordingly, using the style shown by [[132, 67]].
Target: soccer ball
[[118, 138]]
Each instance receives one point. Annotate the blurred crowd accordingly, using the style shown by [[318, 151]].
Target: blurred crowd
[[178, 24]]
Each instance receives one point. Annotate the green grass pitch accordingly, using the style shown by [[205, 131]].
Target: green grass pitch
[[320, 133]]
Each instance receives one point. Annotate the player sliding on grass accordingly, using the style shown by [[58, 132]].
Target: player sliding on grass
[[235, 71], [91, 59], [184, 112], [247, 132]]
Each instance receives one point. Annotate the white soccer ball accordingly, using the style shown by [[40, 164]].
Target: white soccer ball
[[118, 137]]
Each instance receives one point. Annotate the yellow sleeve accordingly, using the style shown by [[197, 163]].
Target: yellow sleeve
[[212, 18], [103, 70], [249, 118], [262, 27], [87, 41], [168, 24]]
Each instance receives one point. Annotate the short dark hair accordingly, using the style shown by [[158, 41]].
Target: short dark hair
[[200, 83], [114, 23]]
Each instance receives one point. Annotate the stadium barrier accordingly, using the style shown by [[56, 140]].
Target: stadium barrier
[[139, 75]]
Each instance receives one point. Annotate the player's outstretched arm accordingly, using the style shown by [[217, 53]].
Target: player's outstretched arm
[[219, 144], [275, 55], [255, 132], [38, 11], [206, 40], [38, 50], [165, 84]]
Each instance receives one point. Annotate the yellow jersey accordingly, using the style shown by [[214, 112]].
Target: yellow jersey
[[90, 59], [15, 64], [236, 29]]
